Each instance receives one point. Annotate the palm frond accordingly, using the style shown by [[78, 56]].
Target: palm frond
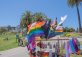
[[73, 3]]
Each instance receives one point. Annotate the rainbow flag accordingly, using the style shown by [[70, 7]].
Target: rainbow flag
[[35, 30]]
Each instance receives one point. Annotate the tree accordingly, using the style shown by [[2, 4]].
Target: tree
[[9, 27], [26, 19], [76, 3], [68, 29], [40, 16], [72, 29]]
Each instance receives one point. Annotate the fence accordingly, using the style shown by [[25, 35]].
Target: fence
[[50, 45]]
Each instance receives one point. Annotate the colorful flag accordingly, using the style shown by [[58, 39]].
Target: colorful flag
[[35, 30], [72, 46], [67, 49], [62, 20]]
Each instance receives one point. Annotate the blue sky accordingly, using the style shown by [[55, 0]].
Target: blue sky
[[12, 10]]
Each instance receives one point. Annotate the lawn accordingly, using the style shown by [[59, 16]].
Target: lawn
[[72, 55], [7, 44], [68, 34]]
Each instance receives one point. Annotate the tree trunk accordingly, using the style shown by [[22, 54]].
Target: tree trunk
[[79, 21]]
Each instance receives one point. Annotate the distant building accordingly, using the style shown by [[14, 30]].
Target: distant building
[[12, 29]]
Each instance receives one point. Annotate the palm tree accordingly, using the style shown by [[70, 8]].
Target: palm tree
[[27, 16], [40, 16], [76, 3], [26, 19]]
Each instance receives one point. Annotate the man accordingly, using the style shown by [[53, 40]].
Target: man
[[17, 39]]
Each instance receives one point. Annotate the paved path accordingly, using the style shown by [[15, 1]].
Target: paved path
[[15, 52]]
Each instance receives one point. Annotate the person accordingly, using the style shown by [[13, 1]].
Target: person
[[17, 37], [21, 42]]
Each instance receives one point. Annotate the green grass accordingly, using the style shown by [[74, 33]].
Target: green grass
[[72, 55], [69, 34], [7, 44]]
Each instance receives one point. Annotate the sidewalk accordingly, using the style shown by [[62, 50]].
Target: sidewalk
[[15, 52]]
